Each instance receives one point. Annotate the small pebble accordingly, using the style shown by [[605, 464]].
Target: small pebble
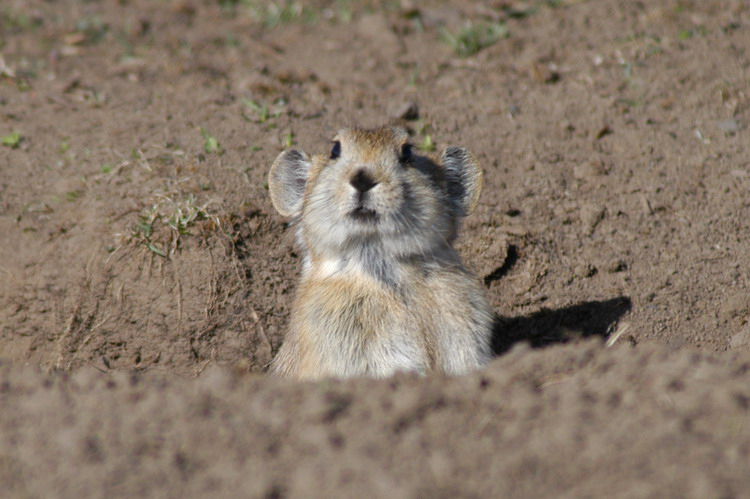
[[616, 266], [591, 215], [585, 270], [589, 169], [740, 340], [729, 126]]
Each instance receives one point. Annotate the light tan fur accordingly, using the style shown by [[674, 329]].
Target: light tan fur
[[382, 288]]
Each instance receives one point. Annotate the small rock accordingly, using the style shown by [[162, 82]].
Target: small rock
[[740, 340], [735, 306], [590, 216], [667, 103], [183, 7], [616, 266], [589, 169], [544, 73], [729, 126], [603, 131], [585, 270]]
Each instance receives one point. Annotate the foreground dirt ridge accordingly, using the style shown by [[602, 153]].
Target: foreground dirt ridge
[[579, 420], [139, 139], [146, 280]]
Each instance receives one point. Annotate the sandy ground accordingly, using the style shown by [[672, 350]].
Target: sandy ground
[[613, 137]]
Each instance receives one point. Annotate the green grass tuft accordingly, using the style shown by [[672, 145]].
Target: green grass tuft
[[161, 226], [12, 140], [211, 144], [426, 143], [474, 37]]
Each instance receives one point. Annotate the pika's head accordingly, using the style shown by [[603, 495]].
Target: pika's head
[[372, 190]]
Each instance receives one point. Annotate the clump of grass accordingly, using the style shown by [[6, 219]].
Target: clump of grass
[[424, 132], [343, 13], [91, 30], [414, 76], [279, 12], [72, 196], [474, 37], [263, 112], [12, 140], [161, 226], [211, 144], [229, 7], [686, 34], [273, 14], [14, 22], [288, 139]]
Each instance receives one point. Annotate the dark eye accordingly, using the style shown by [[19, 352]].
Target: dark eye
[[336, 149], [405, 156]]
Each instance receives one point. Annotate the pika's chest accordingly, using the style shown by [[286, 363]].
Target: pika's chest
[[358, 328], [353, 306]]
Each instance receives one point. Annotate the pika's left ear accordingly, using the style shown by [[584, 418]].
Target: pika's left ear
[[464, 176]]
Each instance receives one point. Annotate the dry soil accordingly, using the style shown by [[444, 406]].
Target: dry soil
[[146, 280]]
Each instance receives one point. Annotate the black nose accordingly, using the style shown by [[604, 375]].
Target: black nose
[[362, 181]]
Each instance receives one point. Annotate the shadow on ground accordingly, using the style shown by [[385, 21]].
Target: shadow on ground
[[547, 327]]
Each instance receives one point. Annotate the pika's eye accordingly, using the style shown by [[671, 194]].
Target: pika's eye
[[405, 155], [336, 149]]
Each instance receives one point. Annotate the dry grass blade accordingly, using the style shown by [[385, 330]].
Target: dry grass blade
[[616, 335]]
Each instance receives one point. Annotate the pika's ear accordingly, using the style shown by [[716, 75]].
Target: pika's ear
[[287, 179], [464, 176]]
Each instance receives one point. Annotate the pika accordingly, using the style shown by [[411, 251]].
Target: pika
[[382, 288]]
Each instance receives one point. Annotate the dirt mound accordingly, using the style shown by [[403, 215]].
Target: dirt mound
[[138, 236], [579, 420]]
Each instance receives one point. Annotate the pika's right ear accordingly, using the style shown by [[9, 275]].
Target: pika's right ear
[[464, 178], [287, 179]]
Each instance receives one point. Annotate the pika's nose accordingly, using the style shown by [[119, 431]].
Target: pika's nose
[[362, 181]]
